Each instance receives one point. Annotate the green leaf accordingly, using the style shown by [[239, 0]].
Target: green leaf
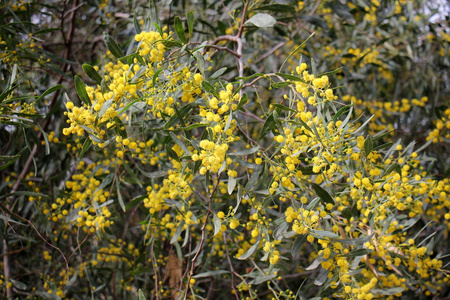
[[355, 242], [388, 291], [135, 201], [179, 143], [92, 73], [172, 154], [342, 11], [190, 22], [112, 46], [6, 92], [210, 274], [105, 107], [387, 145], [261, 20], [132, 175], [119, 128], [277, 8], [218, 73], [179, 29], [209, 88], [341, 111], [156, 174], [25, 193], [155, 77], [298, 244], [193, 126], [18, 284], [136, 24], [322, 277], [282, 107], [119, 196], [81, 91], [330, 72], [217, 224], [358, 252], [281, 84], [106, 181], [243, 101], [175, 237], [184, 111], [250, 251], [368, 145], [141, 295], [323, 233], [263, 278], [289, 77], [269, 125], [245, 152], [87, 143], [49, 91], [231, 184], [390, 169], [307, 170], [323, 195]]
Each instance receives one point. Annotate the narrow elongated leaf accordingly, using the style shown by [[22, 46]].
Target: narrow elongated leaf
[[388, 291], [179, 29], [358, 252], [281, 84], [289, 77], [355, 242], [49, 91], [217, 224], [136, 24], [282, 107], [250, 251], [81, 91], [269, 125], [112, 46], [323, 276], [210, 274], [209, 88], [119, 196], [368, 145], [340, 112], [231, 184], [141, 295], [218, 73], [190, 22], [262, 20], [92, 74], [179, 143], [245, 152], [276, 8], [87, 143], [298, 244], [323, 195]]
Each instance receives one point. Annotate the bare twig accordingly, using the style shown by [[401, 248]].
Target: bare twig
[[68, 44], [202, 240]]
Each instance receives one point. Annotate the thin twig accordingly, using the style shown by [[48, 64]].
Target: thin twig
[[202, 240]]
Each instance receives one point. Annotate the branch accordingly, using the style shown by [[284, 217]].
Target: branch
[[202, 240]]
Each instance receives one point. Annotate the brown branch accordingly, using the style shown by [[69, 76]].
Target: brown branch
[[202, 240], [231, 267], [67, 52]]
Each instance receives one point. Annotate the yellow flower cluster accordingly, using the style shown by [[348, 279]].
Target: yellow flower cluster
[[319, 86], [86, 203]]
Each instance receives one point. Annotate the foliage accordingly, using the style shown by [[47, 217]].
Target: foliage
[[249, 150]]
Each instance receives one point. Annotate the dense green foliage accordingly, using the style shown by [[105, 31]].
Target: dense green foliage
[[247, 150]]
